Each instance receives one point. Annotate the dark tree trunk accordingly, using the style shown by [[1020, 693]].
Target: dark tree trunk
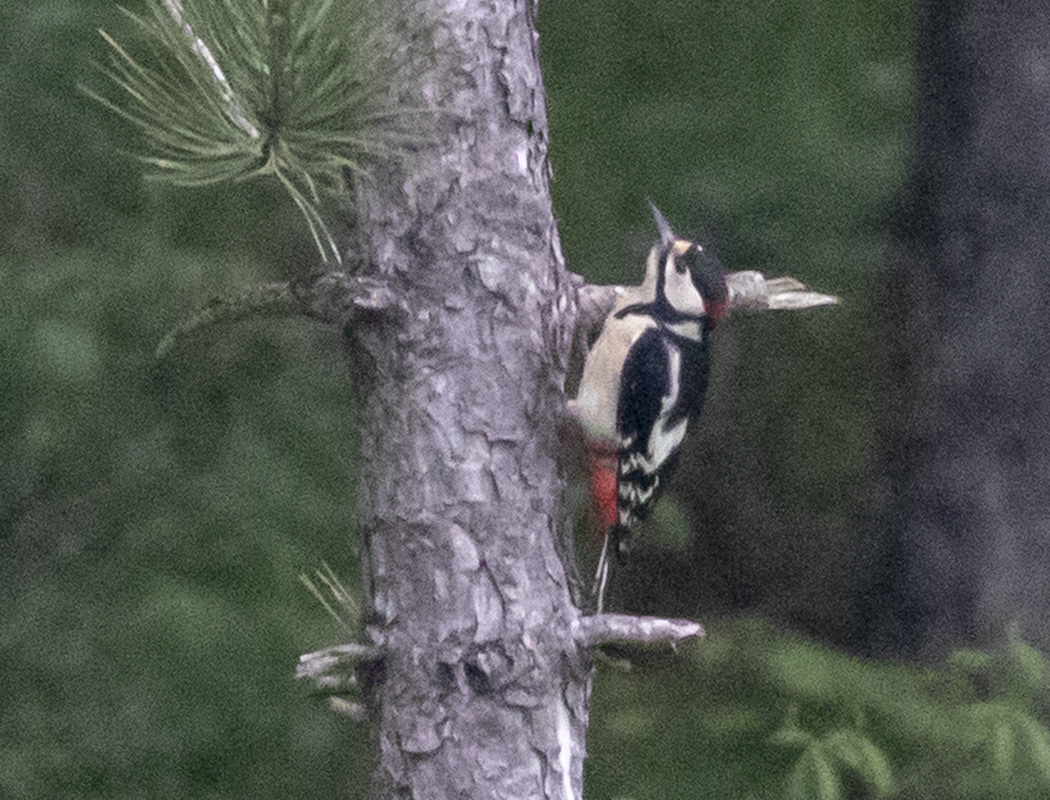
[[481, 690], [963, 531]]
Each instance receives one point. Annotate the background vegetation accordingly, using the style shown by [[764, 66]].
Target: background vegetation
[[154, 517]]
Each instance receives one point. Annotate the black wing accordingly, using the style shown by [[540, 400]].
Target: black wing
[[694, 378], [644, 383], [645, 395]]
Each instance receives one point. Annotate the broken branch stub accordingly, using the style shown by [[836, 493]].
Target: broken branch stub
[[750, 290]]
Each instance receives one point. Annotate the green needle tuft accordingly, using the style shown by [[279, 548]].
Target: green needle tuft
[[231, 89]]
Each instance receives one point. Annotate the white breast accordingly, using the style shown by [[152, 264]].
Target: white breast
[[599, 394]]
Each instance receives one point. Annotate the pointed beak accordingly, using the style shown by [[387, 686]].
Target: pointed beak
[[666, 233]]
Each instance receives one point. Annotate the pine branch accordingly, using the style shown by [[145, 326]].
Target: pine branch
[[266, 300], [626, 629], [233, 89], [332, 298]]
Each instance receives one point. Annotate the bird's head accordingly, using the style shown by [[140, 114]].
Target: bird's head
[[687, 279]]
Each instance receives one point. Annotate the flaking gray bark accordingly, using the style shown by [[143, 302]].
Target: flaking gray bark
[[481, 687]]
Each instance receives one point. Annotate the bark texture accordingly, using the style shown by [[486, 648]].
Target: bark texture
[[963, 545], [481, 688]]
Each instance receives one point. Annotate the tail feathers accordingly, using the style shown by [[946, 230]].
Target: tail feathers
[[619, 538], [601, 577], [613, 517], [616, 544]]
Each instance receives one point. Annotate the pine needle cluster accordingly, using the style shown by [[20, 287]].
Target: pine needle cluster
[[303, 90]]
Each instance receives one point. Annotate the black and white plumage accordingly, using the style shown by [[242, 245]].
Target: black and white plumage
[[644, 382]]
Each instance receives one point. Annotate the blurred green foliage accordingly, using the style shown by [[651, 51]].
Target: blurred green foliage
[[756, 713], [155, 517]]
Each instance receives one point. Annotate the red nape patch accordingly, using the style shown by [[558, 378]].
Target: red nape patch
[[716, 312], [603, 468]]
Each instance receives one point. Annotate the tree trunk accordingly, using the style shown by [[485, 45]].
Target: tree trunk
[[476, 674], [963, 543], [481, 690]]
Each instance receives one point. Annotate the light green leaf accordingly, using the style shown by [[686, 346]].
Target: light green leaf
[[967, 661], [813, 778], [1029, 664], [858, 753], [1036, 741]]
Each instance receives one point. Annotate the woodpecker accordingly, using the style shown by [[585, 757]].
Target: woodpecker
[[644, 382]]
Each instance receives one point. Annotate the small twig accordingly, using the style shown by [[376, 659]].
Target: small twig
[[752, 291], [347, 708], [334, 298], [626, 629], [333, 669], [594, 302], [271, 299]]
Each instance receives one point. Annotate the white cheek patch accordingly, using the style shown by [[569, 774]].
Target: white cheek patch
[[681, 292]]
